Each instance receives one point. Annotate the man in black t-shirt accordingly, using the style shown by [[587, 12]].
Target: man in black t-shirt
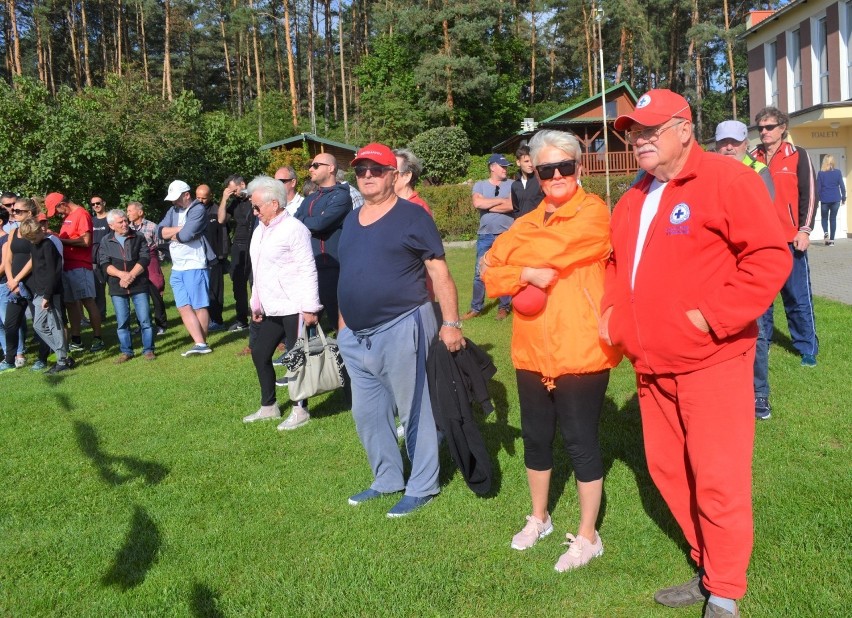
[[100, 229], [217, 235], [235, 209], [526, 191]]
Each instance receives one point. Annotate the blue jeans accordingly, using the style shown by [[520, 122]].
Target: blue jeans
[[483, 244], [22, 331], [122, 318], [828, 216], [765, 328]]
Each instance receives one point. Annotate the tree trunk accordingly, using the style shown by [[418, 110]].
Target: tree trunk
[[279, 67], [103, 38], [256, 48], [50, 64], [16, 39], [40, 52], [75, 52], [342, 73], [673, 45], [694, 50], [85, 34], [532, 52], [593, 75], [227, 58], [143, 44], [119, 28], [730, 49], [311, 84], [167, 62], [448, 50], [294, 100], [622, 49]]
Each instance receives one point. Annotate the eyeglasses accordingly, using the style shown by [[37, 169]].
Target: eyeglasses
[[97, 203], [19, 211], [286, 180], [650, 134], [767, 127], [8, 205], [547, 170], [377, 171], [316, 165]]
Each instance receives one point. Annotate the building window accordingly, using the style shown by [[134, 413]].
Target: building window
[[772, 73], [795, 56], [821, 51]]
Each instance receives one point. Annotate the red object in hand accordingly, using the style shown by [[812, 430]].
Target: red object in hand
[[529, 301]]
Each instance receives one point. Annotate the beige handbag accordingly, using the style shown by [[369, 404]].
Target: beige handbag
[[322, 371]]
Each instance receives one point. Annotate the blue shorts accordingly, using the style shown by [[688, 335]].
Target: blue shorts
[[78, 284], [190, 288]]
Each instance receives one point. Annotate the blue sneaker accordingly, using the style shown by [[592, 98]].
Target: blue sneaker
[[808, 360], [408, 504], [213, 327], [762, 409], [4, 367], [38, 365], [367, 494], [280, 361]]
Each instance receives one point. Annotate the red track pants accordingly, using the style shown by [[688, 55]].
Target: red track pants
[[699, 435]]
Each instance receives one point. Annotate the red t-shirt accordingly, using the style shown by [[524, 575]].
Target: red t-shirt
[[77, 223]]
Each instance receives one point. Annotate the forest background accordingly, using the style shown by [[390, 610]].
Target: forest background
[[120, 97]]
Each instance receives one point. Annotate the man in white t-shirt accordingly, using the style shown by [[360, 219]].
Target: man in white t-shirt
[[184, 226]]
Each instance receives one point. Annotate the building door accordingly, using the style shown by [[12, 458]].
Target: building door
[[817, 156]]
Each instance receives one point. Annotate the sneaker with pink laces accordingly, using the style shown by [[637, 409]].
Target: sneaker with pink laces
[[534, 530], [580, 552]]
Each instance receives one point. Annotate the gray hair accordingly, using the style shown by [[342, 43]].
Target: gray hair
[[115, 213], [566, 142], [269, 188], [137, 205], [410, 163]]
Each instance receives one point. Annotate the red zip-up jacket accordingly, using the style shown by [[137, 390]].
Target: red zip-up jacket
[[714, 245], [794, 180]]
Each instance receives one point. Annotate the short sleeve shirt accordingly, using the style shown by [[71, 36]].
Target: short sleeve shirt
[[75, 225], [382, 270], [493, 222]]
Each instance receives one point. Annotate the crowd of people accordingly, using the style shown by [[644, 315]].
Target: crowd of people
[[680, 280]]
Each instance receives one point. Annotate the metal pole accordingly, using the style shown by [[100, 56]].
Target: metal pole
[[599, 14]]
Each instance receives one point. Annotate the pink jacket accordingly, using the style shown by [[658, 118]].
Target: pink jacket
[[282, 262]]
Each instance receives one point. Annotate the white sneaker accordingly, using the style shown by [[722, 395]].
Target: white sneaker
[[298, 417], [264, 413]]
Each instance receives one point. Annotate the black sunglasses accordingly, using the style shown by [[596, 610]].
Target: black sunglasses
[[547, 170], [97, 203], [285, 180], [316, 165], [19, 211], [767, 127], [496, 190], [377, 171]]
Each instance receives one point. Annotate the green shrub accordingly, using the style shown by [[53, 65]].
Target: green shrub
[[453, 210], [445, 152], [618, 186], [477, 169]]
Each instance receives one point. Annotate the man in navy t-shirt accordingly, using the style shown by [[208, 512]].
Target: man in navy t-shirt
[[386, 325]]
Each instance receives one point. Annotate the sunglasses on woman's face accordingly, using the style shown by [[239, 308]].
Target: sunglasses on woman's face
[[547, 170], [19, 211]]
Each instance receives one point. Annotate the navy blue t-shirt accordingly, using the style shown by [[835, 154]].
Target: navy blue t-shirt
[[382, 274]]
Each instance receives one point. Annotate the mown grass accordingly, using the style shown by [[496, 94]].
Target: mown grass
[[136, 490]]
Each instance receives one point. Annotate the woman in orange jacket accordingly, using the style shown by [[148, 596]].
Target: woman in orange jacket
[[562, 365]]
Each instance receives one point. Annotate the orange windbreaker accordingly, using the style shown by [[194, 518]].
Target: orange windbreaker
[[574, 241]]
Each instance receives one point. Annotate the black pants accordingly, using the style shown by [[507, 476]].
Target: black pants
[[241, 278], [216, 291], [100, 292], [268, 333], [327, 283], [16, 314], [159, 305], [576, 403]]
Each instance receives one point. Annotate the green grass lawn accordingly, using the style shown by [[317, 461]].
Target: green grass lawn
[[136, 490]]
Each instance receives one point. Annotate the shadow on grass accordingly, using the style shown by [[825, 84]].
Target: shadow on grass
[[621, 439], [87, 439], [202, 603], [137, 555]]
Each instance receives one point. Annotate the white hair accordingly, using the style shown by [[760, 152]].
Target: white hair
[[269, 189], [115, 213], [566, 142]]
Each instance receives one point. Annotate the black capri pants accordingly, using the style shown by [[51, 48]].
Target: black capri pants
[[269, 333], [576, 403]]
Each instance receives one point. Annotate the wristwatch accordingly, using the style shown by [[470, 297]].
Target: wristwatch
[[456, 324]]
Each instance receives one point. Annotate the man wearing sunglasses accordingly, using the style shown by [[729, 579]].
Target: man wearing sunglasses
[[386, 325], [492, 199], [795, 197], [690, 272], [7, 199], [100, 229], [323, 212], [287, 176]]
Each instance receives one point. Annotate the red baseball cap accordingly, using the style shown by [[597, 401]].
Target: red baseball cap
[[52, 201], [378, 153], [41, 217], [654, 108]]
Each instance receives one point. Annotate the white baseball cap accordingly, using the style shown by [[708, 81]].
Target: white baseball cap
[[176, 189], [731, 129]]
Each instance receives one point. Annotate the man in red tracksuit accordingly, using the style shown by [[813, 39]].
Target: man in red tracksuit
[[688, 276]]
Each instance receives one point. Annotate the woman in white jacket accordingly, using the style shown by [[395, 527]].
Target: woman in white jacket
[[284, 289]]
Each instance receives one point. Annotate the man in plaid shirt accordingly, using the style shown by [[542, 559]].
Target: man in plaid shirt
[[156, 281]]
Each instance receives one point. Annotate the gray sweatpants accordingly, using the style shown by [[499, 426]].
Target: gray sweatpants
[[48, 324], [387, 368]]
